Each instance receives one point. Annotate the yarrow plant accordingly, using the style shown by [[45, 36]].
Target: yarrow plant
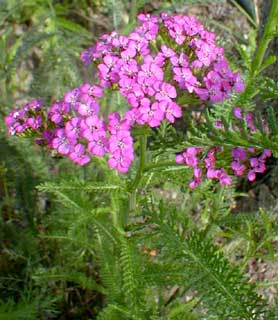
[[164, 61], [134, 236]]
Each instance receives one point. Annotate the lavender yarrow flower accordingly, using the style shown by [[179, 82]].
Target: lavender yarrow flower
[[197, 174], [171, 110], [72, 128], [61, 142], [124, 53], [191, 157], [27, 120], [164, 91], [98, 144], [78, 155], [257, 164], [88, 55], [115, 123], [149, 74], [88, 91], [90, 125], [120, 144], [150, 114]]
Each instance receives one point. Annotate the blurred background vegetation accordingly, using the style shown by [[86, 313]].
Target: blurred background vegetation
[[48, 265]]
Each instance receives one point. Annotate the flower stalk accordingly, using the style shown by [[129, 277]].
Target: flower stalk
[[140, 171]]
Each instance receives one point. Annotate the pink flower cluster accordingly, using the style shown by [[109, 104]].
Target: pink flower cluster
[[28, 119], [79, 132], [191, 157], [242, 159], [187, 61], [161, 61]]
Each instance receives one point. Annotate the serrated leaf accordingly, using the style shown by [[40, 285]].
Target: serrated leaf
[[98, 187], [272, 120], [267, 62], [184, 310], [244, 56], [68, 201]]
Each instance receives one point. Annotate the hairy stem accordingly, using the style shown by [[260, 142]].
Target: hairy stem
[[116, 214], [142, 162], [140, 172]]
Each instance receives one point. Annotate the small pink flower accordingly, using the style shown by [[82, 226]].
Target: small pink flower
[[251, 176], [72, 128], [185, 78], [88, 91], [87, 109], [238, 83], [98, 143], [78, 155], [151, 114], [225, 179], [149, 73], [165, 91], [91, 124], [171, 110], [238, 168], [237, 112], [61, 142], [181, 60], [120, 162], [239, 154]]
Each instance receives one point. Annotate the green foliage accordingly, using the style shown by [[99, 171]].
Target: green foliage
[[224, 291], [29, 308], [253, 232], [40, 46], [209, 135], [9, 311], [186, 257]]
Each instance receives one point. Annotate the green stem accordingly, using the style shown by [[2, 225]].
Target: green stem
[[140, 172], [133, 11], [269, 30], [116, 218], [4, 91], [142, 163]]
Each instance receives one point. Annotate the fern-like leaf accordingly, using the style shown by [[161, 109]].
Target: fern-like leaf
[[223, 290]]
